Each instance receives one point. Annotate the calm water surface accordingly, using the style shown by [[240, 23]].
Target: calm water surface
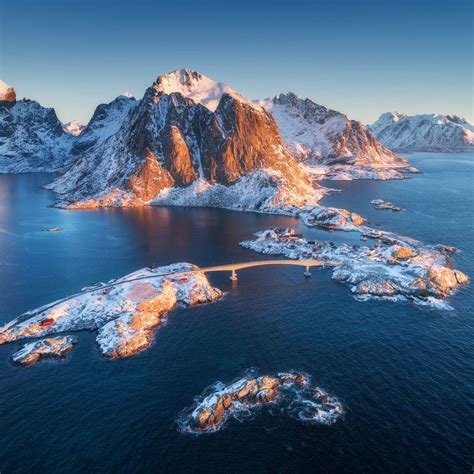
[[404, 373]]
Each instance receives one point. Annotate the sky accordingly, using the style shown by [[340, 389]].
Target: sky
[[361, 57]]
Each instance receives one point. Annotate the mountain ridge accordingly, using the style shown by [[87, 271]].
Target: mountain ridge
[[424, 132]]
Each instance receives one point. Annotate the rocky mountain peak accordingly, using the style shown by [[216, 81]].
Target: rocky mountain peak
[[7, 93], [193, 85], [306, 108]]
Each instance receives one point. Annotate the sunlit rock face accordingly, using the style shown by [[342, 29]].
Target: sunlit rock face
[[427, 132], [170, 141], [48, 348], [125, 312], [31, 136], [396, 268], [291, 391], [330, 144], [7, 93]]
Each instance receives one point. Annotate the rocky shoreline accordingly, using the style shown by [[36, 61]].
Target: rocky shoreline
[[395, 268], [125, 313], [292, 391], [48, 348]]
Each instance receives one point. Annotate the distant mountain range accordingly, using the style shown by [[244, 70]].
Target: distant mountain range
[[433, 132], [193, 141], [31, 136]]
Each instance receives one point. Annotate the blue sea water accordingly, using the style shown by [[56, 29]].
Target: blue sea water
[[404, 373]]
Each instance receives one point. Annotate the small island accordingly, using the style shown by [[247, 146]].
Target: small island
[[292, 391]]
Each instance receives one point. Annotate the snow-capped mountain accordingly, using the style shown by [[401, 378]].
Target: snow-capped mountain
[[105, 122], [31, 136], [74, 128], [329, 142], [230, 157], [197, 87], [432, 132]]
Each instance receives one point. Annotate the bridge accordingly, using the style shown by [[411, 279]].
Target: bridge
[[233, 267], [229, 267]]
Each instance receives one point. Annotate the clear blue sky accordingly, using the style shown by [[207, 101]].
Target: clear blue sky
[[360, 57]]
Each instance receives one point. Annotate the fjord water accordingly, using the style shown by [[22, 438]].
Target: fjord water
[[404, 373]]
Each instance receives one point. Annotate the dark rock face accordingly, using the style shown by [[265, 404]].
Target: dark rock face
[[31, 138], [168, 140], [105, 122]]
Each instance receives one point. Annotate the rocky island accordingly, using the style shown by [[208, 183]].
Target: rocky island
[[125, 312], [291, 391], [385, 205], [48, 348], [396, 268]]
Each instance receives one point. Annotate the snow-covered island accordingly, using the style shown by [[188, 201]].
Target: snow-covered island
[[292, 392], [380, 204], [396, 268], [48, 348], [125, 312]]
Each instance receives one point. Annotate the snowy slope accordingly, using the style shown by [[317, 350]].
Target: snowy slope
[[330, 142], [168, 145], [193, 85], [105, 122], [74, 128], [434, 132], [31, 137]]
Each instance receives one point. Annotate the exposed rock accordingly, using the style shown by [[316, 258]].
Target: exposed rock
[[444, 280], [400, 253], [398, 269], [31, 138], [125, 312], [177, 158], [7, 93], [49, 348], [381, 204], [291, 390], [105, 122], [184, 144]]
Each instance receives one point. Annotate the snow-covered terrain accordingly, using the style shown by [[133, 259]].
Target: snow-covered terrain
[[396, 268], [49, 348], [105, 122], [194, 85], [291, 392], [7, 92], [73, 128], [169, 145], [330, 144], [427, 132], [31, 136], [125, 312]]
